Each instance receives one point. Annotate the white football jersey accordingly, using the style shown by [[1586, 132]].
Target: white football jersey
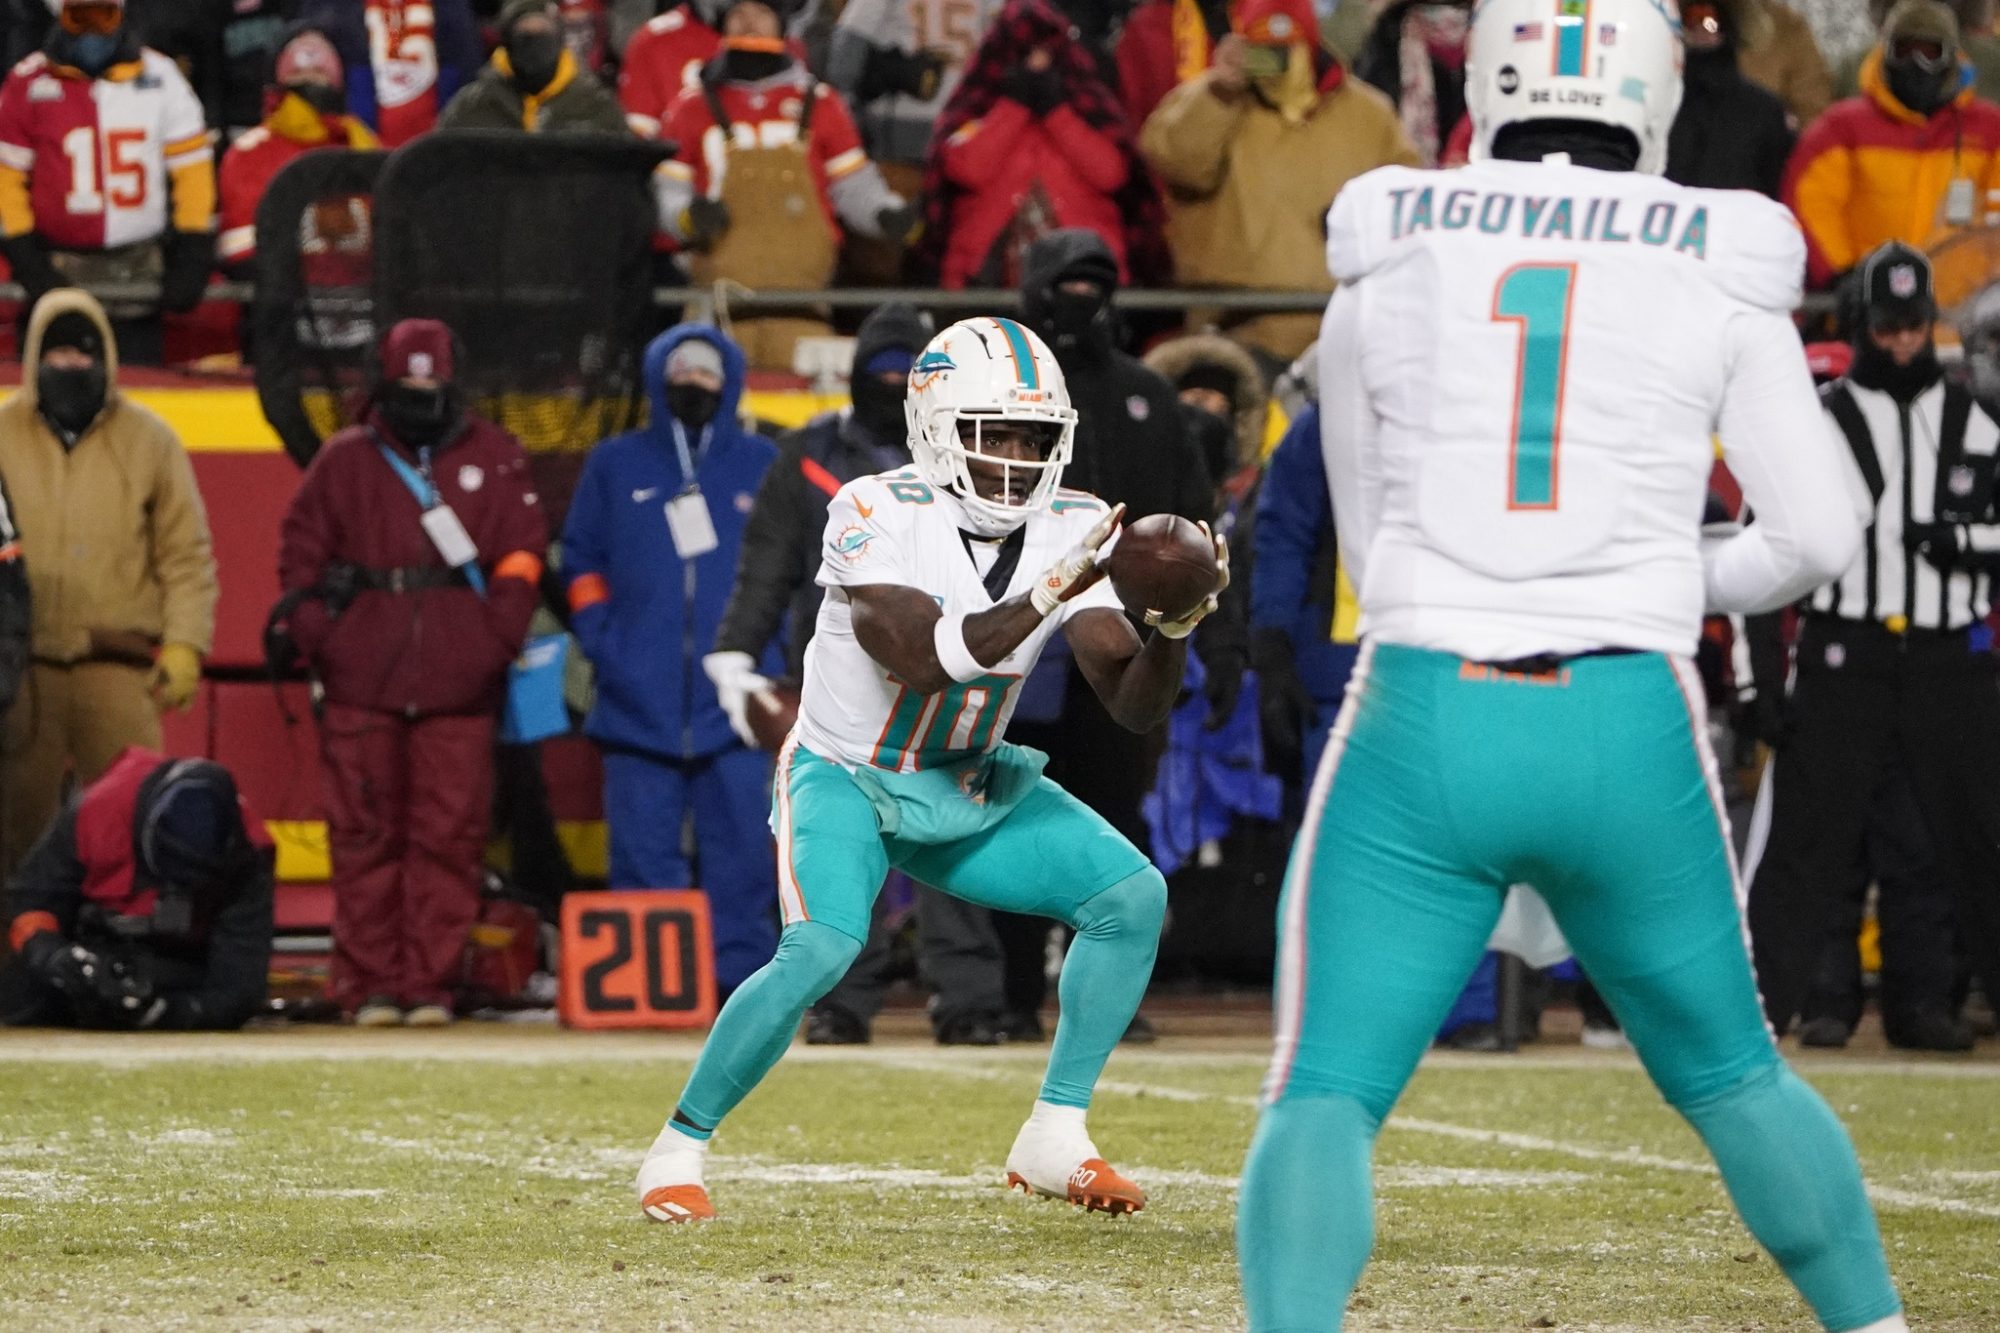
[[897, 528], [1521, 379]]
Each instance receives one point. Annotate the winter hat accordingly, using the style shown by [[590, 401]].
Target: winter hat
[[1277, 22], [309, 57], [419, 349], [1896, 286], [694, 356], [1922, 20], [74, 329], [187, 833], [1212, 375], [515, 10]]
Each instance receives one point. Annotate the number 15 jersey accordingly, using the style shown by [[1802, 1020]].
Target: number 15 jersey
[[896, 528], [1521, 378]]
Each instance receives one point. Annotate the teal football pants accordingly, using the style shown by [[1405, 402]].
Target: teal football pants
[[1049, 856], [1444, 783]]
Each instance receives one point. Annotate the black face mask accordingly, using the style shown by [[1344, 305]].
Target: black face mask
[[753, 66], [1217, 439], [692, 405], [534, 57], [323, 98], [1874, 368], [1922, 91], [1712, 66], [70, 399], [1079, 324], [91, 52], [879, 406], [419, 418]]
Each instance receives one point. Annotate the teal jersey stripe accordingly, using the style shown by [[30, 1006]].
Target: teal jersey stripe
[[1572, 33]]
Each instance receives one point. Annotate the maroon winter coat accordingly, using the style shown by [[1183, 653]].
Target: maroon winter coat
[[432, 650]]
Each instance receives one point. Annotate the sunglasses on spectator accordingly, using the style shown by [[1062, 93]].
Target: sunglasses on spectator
[[101, 19], [1925, 53]]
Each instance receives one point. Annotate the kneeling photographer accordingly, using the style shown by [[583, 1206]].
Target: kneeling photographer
[[146, 904]]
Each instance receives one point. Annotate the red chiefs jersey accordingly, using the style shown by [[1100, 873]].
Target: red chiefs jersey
[[662, 61], [763, 115], [402, 46], [97, 153], [249, 167]]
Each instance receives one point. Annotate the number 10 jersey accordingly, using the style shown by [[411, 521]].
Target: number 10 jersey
[[895, 528]]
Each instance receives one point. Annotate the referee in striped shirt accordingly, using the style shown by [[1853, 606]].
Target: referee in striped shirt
[[1894, 669]]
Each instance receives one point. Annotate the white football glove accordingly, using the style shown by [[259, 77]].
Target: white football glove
[[1073, 573], [1180, 629], [735, 678]]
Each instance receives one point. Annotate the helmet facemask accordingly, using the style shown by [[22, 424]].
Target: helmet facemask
[[965, 451]]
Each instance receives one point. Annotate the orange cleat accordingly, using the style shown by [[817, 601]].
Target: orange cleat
[[1093, 1186], [678, 1203]]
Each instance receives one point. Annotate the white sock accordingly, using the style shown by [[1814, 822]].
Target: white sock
[[673, 1139], [1893, 1324], [1058, 1119]]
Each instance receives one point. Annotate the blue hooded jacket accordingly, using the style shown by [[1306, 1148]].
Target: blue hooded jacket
[[1294, 519], [642, 615]]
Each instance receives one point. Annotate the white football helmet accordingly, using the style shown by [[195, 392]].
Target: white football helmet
[[989, 370], [1615, 62]]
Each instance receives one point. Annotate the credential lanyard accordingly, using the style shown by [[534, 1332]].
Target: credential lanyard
[[421, 486], [689, 481]]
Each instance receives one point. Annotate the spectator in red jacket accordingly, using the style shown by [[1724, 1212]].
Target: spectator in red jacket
[[1032, 141], [763, 149], [1164, 44], [664, 59], [421, 608], [304, 110]]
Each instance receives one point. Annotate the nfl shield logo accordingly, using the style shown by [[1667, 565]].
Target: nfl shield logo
[[1607, 34], [1138, 408], [1903, 281], [1961, 481], [421, 366], [1836, 655], [470, 478]]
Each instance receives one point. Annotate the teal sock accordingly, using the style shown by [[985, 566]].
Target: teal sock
[[1104, 977], [1792, 1172], [755, 1028], [1305, 1221]]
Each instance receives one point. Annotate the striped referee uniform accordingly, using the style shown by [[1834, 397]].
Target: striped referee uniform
[[1894, 681]]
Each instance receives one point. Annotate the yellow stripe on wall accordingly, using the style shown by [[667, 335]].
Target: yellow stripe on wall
[[230, 421], [302, 853]]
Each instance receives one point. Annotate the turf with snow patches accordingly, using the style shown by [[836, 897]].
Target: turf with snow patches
[[483, 1180]]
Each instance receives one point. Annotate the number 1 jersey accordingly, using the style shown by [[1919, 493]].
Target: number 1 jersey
[[1522, 377], [896, 528]]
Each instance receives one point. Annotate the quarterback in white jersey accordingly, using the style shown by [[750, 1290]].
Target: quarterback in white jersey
[[1521, 373], [944, 582]]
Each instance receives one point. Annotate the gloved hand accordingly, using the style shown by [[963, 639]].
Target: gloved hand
[[190, 260], [1040, 91], [175, 677], [1284, 705], [901, 224], [735, 678], [1222, 688], [705, 221], [33, 269], [1181, 628], [1079, 568], [101, 991], [1937, 544]]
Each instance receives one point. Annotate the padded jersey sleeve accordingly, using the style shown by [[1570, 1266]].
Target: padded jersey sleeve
[[1799, 478], [867, 534], [1758, 253]]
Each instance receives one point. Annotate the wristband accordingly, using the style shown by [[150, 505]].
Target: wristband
[[948, 636]]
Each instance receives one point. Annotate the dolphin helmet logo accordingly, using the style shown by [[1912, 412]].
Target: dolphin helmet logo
[[928, 367]]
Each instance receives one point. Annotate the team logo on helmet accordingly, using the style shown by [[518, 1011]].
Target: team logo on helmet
[[929, 366], [1903, 281]]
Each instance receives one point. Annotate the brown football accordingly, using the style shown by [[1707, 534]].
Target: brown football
[[1163, 563], [772, 712]]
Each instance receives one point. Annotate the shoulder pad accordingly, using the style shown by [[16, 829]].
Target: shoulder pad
[[1357, 225], [1756, 253]]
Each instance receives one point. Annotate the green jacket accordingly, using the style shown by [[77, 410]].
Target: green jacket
[[573, 101]]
